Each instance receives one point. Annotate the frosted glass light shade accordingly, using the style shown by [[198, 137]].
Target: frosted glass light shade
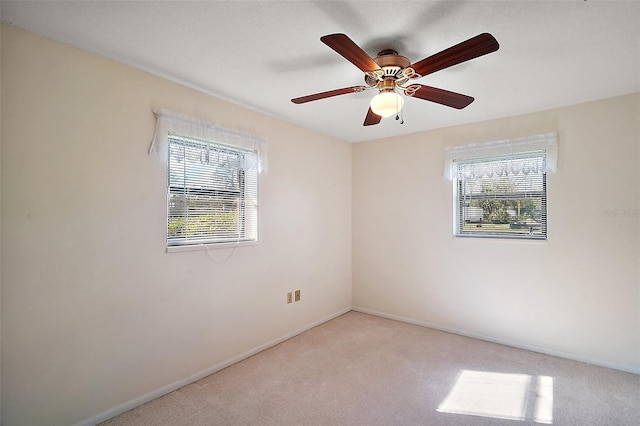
[[386, 104]]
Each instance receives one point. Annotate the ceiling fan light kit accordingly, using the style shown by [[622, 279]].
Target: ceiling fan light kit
[[388, 103], [389, 72]]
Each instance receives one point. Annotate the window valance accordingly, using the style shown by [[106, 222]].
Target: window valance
[[169, 123], [547, 142]]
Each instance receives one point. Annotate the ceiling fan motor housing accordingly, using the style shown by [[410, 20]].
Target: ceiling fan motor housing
[[392, 66]]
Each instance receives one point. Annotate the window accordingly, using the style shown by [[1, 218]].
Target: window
[[212, 181], [500, 188], [212, 193], [503, 196]]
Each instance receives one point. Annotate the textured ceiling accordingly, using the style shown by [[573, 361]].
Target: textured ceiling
[[260, 54]]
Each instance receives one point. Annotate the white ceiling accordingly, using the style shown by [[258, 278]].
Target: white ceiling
[[260, 54]]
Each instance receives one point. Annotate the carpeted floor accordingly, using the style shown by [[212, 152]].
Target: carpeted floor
[[360, 369]]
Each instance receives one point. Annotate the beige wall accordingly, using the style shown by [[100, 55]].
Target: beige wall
[[95, 313], [575, 294]]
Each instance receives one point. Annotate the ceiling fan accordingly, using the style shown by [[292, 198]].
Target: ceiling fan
[[390, 72]]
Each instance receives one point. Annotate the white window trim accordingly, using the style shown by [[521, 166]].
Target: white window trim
[[547, 143], [169, 123], [196, 247]]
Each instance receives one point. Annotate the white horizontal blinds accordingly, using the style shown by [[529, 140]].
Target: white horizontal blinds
[[502, 196], [249, 210], [212, 193]]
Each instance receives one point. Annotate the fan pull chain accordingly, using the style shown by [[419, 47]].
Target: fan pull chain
[[398, 117]]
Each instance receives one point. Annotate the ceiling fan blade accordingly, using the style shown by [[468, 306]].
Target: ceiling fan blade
[[371, 118], [441, 96], [328, 94], [470, 49], [350, 51]]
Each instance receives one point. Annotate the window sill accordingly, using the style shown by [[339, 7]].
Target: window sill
[[197, 247], [500, 237]]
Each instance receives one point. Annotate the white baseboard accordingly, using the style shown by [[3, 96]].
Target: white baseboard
[[129, 405], [542, 350]]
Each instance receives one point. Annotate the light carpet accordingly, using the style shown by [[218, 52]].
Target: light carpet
[[360, 369]]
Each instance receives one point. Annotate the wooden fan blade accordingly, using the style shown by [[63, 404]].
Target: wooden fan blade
[[371, 118], [470, 49], [328, 94], [350, 51], [443, 97]]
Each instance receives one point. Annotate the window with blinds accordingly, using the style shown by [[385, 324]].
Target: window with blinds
[[501, 196], [212, 195]]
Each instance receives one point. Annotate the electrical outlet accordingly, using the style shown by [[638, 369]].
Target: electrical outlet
[[297, 295], [289, 297]]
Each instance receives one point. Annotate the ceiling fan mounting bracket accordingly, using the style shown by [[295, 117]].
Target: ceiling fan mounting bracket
[[411, 90]]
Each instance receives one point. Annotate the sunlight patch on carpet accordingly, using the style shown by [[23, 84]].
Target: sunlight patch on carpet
[[543, 412], [487, 394]]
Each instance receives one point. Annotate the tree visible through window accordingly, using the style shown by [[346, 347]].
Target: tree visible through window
[[503, 196], [212, 193]]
